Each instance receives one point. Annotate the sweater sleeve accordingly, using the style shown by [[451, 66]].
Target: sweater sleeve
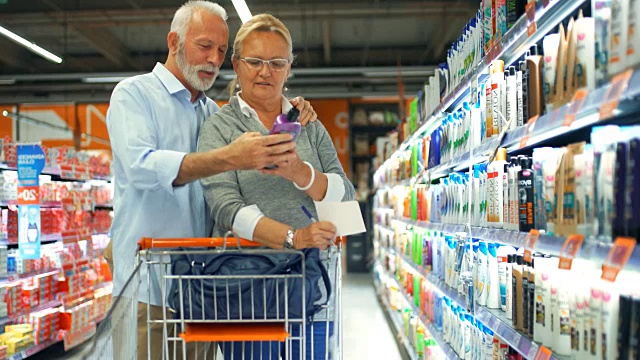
[[221, 191], [330, 162]]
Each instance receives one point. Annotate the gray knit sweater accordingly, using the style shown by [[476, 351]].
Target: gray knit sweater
[[276, 197]]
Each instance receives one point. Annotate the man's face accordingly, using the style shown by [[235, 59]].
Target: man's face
[[202, 51]]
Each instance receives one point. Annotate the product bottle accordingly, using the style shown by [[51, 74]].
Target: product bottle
[[493, 288], [514, 219], [509, 285], [524, 70], [563, 323], [498, 194], [525, 296], [517, 293], [512, 98], [503, 253], [505, 197], [535, 93], [525, 195], [532, 296], [497, 80]]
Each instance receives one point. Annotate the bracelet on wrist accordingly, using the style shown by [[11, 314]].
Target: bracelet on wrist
[[313, 178]]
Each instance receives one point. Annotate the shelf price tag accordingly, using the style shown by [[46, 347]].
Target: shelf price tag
[[530, 10], [618, 256], [569, 251], [531, 29], [530, 244], [612, 98], [29, 195], [528, 131], [543, 353], [576, 104]]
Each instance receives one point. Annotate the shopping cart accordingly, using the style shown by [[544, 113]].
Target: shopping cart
[[115, 337], [201, 320]]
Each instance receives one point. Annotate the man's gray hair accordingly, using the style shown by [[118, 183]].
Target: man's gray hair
[[182, 17]]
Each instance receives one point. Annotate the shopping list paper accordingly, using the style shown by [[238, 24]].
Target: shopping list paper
[[346, 216]]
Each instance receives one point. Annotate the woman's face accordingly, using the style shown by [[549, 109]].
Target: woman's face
[[261, 82]]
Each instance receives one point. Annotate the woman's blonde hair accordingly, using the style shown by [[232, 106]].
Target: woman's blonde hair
[[264, 23]]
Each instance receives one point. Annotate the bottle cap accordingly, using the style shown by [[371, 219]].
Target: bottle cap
[[519, 259], [293, 115], [525, 163], [501, 155], [512, 70]]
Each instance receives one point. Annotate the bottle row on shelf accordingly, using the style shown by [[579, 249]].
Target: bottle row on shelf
[[528, 302], [586, 189], [452, 332], [504, 88]]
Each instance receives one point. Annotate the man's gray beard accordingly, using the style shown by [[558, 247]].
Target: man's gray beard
[[190, 72]]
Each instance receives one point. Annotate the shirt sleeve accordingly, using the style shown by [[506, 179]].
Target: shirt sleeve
[[134, 142], [339, 188], [246, 221]]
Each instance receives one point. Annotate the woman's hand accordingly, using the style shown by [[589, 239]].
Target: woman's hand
[[317, 235], [306, 110], [293, 169]]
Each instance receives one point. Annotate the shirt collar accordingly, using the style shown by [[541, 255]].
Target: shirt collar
[[249, 112], [172, 84]]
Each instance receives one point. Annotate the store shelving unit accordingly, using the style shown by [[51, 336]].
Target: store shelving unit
[[551, 129]]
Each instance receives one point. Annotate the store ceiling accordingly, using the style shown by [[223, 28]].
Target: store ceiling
[[334, 41]]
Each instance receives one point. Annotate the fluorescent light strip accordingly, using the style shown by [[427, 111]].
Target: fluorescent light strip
[[31, 46], [242, 9]]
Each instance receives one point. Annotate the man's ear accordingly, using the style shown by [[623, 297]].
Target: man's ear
[[173, 42]]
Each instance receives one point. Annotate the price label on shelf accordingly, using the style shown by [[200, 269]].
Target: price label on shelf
[[530, 10], [617, 257], [569, 251], [531, 29], [576, 104], [530, 244], [528, 131], [614, 92], [543, 353]]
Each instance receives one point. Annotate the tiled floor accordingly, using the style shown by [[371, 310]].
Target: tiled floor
[[366, 333]]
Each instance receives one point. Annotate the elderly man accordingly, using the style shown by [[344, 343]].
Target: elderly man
[[153, 121]]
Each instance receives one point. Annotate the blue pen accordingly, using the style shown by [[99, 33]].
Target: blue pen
[[308, 214]]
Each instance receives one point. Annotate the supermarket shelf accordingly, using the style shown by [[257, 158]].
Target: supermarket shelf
[[79, 337], [13, 317], [384, 228], [33, 350], [591, 250], [501, 326], [44, 204], [512, 45], [57, 174], [437, 335], [377, 129], [397, 324], [14, 276]]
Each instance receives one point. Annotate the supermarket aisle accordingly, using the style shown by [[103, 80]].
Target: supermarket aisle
[[366, 333]]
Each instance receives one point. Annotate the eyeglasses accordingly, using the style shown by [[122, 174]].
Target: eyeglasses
[[274, 64]]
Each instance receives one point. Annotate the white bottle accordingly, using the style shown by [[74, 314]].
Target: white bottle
[[512, 98], [503, 253], [498, 195], [493, 288], [562, 316], [505, 196], [481, 295], [519, 99], [514, 197]]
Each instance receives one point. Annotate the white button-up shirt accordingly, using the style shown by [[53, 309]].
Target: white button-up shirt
[[152, 126]]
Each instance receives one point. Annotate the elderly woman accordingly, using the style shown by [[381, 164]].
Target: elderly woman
[[265, 205]]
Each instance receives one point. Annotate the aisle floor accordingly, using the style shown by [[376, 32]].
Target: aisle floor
[[367, 335]]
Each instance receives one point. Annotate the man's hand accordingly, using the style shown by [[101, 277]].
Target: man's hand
[[306, 110], [254, 151]]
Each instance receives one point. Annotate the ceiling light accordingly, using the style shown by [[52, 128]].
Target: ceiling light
[[242, 9], [103, 79], [7, 81], [31, 46]]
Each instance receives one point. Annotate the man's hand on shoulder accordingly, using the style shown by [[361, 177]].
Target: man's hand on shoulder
[[306, 110]]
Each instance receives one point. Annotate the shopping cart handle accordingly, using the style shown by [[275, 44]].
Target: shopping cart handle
[[155, 243]]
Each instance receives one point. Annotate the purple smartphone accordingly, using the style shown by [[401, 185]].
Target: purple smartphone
[[287, 123]]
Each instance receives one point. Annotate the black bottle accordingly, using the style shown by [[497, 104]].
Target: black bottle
[[525, 195]]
